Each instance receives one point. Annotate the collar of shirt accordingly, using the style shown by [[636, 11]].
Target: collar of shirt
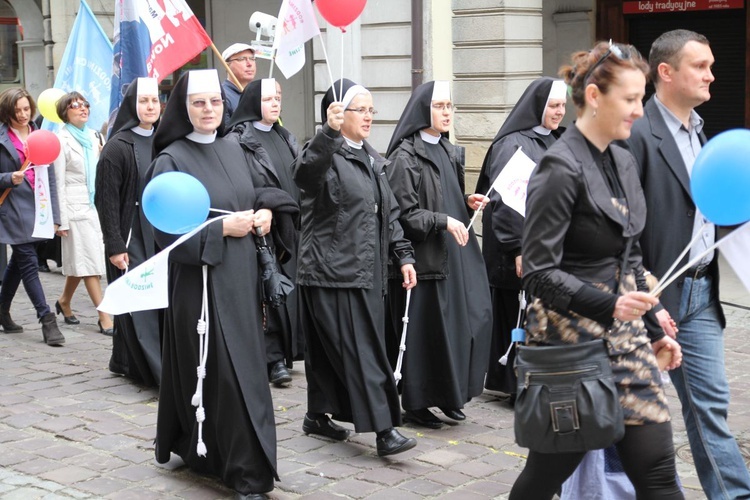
[[674, 124]]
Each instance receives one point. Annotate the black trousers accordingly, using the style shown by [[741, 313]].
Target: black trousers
[[647, 455]]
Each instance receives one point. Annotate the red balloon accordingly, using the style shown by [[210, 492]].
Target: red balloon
[[42, 147], [340, 13]]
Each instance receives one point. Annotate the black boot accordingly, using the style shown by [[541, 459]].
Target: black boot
[[390, 442], [9, 326], [52, 334]]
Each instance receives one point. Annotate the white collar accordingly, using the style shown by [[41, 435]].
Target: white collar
[[262, 126], [142, 131], [201, 138], [352, 144], [541, 130], [429, 138]]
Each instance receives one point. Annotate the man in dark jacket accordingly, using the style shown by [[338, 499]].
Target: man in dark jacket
[[665, 143]]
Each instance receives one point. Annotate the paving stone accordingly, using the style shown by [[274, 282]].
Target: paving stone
[[69, 475], [59, 424], [135, 473], [102, 486], [424, 487], [335, 470], [450, 478], [59, 452], [353, 488], [387, 476], [36, 467], [394, 494], [11, 456]]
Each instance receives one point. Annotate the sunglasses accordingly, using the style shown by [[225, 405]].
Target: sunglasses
[[622, 52], [78, 104]]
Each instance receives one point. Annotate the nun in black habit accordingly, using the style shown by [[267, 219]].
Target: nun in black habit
[[349, 231], [270, 150], [450, 313], [533, 125], [128, 236], [232, 435]]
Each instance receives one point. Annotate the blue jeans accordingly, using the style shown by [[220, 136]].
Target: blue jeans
[[702, 387], [23, 265]]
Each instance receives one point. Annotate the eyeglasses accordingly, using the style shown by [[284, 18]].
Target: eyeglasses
[[243, 59], [78, 104], [201, 103], [621, 52], [363, 111], [443, 106]]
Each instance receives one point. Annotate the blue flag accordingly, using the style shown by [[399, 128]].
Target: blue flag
[[86, 66]]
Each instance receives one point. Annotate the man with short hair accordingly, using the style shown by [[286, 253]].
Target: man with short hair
[[665, 144], [241, 60]]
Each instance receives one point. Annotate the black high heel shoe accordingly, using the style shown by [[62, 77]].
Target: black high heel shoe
[[106, 331], [69, 320]]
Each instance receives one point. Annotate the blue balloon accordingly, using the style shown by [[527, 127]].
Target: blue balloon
[[175, 202], [720, 181]]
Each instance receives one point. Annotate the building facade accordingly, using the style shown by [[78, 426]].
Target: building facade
[[490, 49]]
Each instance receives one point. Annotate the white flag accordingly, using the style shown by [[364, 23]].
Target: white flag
[[512, 181], [146, 287], [143, 288], [44, 225], [297, 24], [735, 247]]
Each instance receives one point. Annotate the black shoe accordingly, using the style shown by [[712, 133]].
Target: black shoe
[[44, 268], [9, 326], [109, 332], [454, 414], [251, 496], [279, 374], [423, 417], [390, 442], [324, 426], [69, 320]]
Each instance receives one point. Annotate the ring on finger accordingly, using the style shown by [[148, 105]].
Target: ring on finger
[[636, 312]]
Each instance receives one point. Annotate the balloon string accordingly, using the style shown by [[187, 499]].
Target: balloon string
[[667, 274], [341, 82]]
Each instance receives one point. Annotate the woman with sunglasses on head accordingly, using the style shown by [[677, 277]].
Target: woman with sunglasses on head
[[128, 236], [532, 126], [451, 314], [80, 231], [18, 213], [584, 209], [270, 150], [349, 232]]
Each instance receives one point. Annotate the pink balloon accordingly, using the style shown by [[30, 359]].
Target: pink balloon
[[42, 147], [340, 13]]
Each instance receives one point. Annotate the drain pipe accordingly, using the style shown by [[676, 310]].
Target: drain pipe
[[417, 42], [48, 43]]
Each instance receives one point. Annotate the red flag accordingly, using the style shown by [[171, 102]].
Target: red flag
[[176, 35]]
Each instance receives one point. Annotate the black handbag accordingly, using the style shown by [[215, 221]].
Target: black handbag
[[567, 399]]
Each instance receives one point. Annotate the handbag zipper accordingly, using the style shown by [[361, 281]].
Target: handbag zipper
[[527, 378]]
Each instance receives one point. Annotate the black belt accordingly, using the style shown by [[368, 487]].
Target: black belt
[[697, 272]]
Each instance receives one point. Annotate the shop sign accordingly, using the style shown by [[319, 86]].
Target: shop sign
[[663, 6]]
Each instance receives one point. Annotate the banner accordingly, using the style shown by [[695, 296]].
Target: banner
[[86, 67], [44, 225], [297, 24]]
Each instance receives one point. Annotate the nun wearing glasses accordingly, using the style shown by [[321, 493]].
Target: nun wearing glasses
[[221, 424], [532, 126], [450, 312], [350, 230]]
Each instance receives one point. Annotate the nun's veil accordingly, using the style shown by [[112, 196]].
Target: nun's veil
[[529, 110], [127, 114], [248, 109], [329, 97], [175, 122], [417, 115]]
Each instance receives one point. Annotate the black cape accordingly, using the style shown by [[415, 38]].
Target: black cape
[[120, 179]]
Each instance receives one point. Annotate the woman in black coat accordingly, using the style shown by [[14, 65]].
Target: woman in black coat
[[128, 236], [270, 150], [585, 209], [17, 214], [450, 312], [532, 125], [350, 230]]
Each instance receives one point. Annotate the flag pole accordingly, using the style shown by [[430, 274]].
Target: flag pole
[[273, 58], [226, 66]]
